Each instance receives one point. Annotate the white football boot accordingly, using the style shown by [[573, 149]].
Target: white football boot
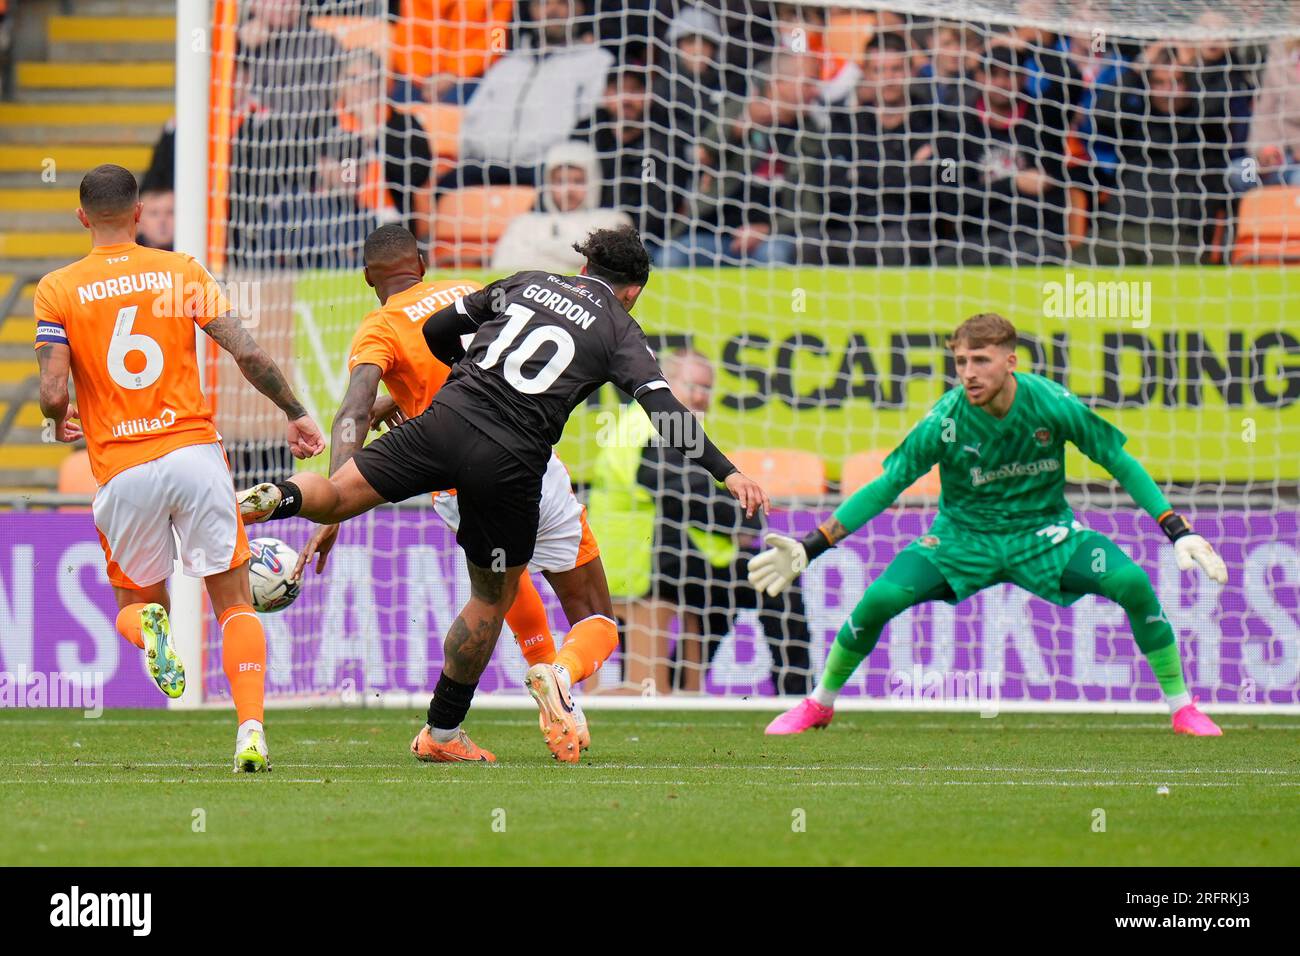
[[251, 755], [257, 503]]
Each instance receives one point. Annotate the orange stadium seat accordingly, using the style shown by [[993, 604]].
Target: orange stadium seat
[[468, 222], [441, 123], [75, 478], [783, 471], [847, 34], [1268, 226], [867, 466]]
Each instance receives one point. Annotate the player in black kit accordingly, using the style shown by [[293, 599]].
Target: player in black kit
[[541, 344]]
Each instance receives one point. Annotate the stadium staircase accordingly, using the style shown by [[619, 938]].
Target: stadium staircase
[[93, 83]]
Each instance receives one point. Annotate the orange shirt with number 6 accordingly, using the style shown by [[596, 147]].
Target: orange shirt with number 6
[[128, 314]]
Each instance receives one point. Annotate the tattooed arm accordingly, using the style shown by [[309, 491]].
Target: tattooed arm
[[353, 419], [304, 436], [55, 362], [347, 436], [258, 367]]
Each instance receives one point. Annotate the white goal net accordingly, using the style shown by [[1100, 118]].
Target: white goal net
[[827, 191]]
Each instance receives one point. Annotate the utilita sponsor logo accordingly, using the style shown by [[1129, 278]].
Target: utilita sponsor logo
[[137, 426], [134, 910]]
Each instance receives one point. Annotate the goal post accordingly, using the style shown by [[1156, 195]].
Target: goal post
[[193, 62], [816, 239]]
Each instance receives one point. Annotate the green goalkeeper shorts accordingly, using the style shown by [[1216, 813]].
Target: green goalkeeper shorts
[[973, 560]]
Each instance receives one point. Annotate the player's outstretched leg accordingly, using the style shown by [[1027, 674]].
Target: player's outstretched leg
[[1100, 567], [142, 620], [331, 500], [909, 579]]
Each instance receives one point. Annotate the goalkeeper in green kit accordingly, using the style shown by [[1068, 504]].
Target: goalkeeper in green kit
[[999, 440]]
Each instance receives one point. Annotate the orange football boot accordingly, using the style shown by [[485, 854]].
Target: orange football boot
[[460, 749]]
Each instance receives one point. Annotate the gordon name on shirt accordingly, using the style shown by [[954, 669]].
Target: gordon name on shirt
[[561, 304]]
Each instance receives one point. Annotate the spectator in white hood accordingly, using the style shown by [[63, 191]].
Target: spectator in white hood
[[532, 97], [569, 197]]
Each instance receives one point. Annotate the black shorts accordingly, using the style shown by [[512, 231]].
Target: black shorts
[[498, 494]]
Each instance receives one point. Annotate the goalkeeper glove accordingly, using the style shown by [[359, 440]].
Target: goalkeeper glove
[[1191, 550], [775, 569]]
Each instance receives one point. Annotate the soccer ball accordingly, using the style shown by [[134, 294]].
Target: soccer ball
[[268, 572]]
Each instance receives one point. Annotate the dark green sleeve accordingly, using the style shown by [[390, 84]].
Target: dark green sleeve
[[1104, 443], [1128, 471], [916, 455]]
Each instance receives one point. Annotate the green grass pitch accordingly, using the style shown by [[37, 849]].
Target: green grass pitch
[[133, 787]]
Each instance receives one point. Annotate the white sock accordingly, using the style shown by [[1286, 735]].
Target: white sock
[[249, 726], [442, 736], [825, 696], [1179, 701]]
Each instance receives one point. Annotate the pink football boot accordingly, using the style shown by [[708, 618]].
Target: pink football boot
[[1189, 720], [804, 716]]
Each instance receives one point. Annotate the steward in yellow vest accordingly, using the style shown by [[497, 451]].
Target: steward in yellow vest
[[668, 531]]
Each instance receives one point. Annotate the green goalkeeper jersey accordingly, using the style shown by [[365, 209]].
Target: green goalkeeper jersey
[[1004, 474]]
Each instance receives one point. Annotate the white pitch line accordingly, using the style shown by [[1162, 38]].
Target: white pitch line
[[971, 722], [993, 724], [347, 721], [707, 768], [238, 779], [830, 768], [1035, 783]]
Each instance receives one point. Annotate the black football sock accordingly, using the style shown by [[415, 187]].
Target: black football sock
[[450, 703], [290, 501]]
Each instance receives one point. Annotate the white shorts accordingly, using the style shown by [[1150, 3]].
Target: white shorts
[[185, 495], [563, 539]]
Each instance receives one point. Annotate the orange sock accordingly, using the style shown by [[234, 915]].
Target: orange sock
[[527, 618], [589, 644], [243, 654], [128, 623]]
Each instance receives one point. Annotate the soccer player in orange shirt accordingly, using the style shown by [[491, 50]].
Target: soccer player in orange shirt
[[389, 346], [121, 321]]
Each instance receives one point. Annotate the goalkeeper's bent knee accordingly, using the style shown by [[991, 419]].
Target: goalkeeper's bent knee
[[1130, 587]]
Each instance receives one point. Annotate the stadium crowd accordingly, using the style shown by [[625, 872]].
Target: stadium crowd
[[745, 132]]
